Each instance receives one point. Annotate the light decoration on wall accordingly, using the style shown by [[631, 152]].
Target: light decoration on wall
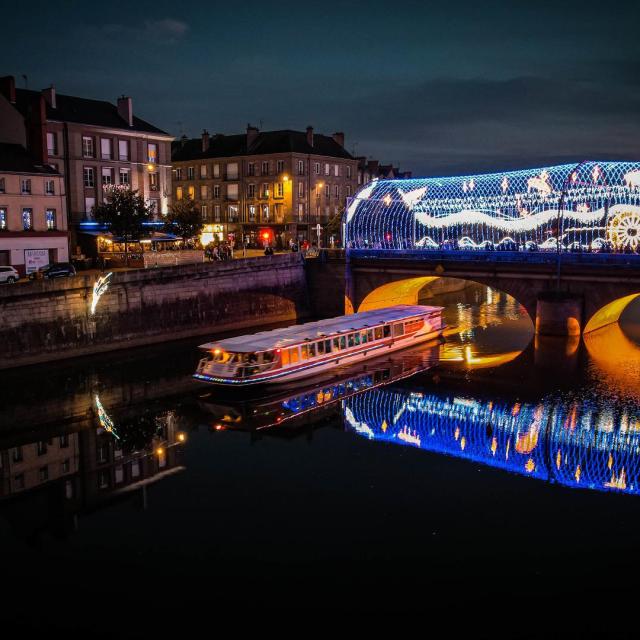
[[624, 230], [99, 289], [593, 455], [424, 213]]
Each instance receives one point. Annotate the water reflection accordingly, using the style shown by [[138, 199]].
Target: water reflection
[[579, 443]]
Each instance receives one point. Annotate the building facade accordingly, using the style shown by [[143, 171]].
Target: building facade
[[93, 144], [33, 213], [369, 170], [266, 187]]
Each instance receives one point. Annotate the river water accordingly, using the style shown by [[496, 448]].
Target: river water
[[492, 466]]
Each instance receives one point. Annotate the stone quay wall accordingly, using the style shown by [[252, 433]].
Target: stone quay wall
[[49, 320]]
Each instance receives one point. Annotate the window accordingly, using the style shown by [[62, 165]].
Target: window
[[264, 191], [50, 187], [103, 479], [279, 166], [88, 147], [216, 213], [386, 330], [203, 192], [378, 333], [279, 190], [89, 204], [119, 474], [43, 474], [398, 329], [203, 171], [251, 191], [135, 469], [349, 171], [216, 190], [251, 169], [27, 219], [348, 190], [300, 211], [327, 190], [232, 212], [125, 176], [154, 181], [178, 193], [50, 217], [252, 213], [3, 219], [179, 173], [277, 212], [301, 189], [336, 170], [41, 447], [106, 148], [89, 177], [350, 340], [204, 211], [107, 175], [327, 168], [192, 192], [155, 206], [16, 454], [316, 168], [336, 190], [65, 467], [52, 144], [232, 171], [317, 211], [294, 355], [25, 185], [123, 150], [63, 442], [265, 213], [265, 168], [152, 153], [190, 173], [232, 191], [216, 170], [300, 167]]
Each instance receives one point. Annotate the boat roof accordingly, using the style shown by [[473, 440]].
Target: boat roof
[[286, 336]]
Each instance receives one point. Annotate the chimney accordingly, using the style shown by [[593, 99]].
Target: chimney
[[8, 88], [50, 96], [205, 140], [310, 136], [252, 134], [125, 109], [36, 126], [339, 138]]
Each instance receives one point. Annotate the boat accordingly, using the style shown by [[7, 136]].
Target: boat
[[281, 355]]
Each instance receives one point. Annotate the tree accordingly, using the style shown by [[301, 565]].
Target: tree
[[124, 211], [334, 225], [184, 219]]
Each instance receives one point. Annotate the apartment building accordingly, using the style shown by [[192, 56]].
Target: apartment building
[[369, 170], [93, 144], [33, 213], [273, 186]]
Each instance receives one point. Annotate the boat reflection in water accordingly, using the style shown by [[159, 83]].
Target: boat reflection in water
[[577, 443]]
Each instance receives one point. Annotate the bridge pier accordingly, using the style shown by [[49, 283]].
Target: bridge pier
[[559, 314]]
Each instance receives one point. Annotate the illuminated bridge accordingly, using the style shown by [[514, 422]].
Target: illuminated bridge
[[569, 231], [576, 443]]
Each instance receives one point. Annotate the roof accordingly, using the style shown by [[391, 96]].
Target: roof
[[15, 158], [99, 113], [264, 143], [314, 330]]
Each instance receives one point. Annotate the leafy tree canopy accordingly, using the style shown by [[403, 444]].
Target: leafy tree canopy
[[123, 212], [184, 219]]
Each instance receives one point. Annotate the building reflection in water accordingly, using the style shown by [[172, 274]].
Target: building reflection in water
[[66, 471], [577, 443]]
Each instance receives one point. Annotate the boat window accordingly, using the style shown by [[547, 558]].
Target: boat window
[[268, 356], [327, 346], [320, 347], [336, 344], [350, 340], [294, 355], [343, 342], [398, 329], [370, 335], [363, 337], [304, 352], [284, 357], [312, 349], [356, 338], [386, 330], [378, 333]]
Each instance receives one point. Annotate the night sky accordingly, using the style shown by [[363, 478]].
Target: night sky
[[438, 88]]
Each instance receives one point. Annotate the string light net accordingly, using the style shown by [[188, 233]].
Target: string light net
[[589, 206]]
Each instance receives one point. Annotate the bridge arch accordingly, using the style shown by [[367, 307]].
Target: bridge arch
[[610, 313], [403, 291]]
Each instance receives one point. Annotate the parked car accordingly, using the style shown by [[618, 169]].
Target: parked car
[[9, 275], [57, 270]]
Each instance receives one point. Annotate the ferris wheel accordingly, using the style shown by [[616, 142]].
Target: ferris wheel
[[623, 230]]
